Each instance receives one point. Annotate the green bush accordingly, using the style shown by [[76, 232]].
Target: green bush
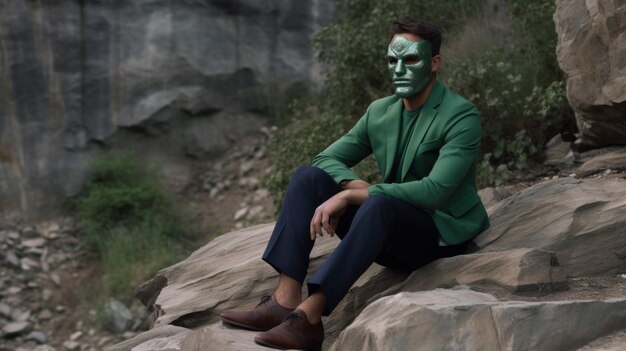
[[514, 81], [129, 221], [297, 144]]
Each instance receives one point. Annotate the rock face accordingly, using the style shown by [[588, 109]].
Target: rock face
[[591, 51], [541, 238], [168, 79], [467, 320]]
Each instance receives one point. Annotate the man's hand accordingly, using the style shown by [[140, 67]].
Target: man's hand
[[327, 215]]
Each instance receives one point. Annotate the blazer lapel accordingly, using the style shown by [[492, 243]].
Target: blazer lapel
[[425, 119], [392, 128]]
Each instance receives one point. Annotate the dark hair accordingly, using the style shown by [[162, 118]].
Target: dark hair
[[424, 29]]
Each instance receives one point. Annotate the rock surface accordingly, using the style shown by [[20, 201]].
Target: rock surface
[[566, 216], [464, 319], [167, 79], [540, 238], [591, 51]]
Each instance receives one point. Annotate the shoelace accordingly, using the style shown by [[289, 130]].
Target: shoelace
[[264, 300], [292, 318]]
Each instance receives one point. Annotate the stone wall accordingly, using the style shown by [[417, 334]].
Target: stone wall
[[169, 79], [592, 53]]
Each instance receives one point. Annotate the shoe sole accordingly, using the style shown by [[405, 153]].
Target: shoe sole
[[241, 325]]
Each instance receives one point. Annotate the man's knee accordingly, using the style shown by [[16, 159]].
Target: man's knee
[[307, 174]]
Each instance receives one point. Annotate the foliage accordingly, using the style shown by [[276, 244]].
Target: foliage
[[518, 89], [515, 81], [354, 47], [297, 144], [129, 220]]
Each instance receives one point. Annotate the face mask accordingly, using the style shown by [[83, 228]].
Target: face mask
[[410, 65]]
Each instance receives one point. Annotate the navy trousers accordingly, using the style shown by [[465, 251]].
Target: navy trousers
[[383, 229]]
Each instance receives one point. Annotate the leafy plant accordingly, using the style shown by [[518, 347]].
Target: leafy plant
[[129, 221]]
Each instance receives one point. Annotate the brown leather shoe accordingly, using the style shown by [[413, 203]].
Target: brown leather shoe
[[295, 332], [267, 314]]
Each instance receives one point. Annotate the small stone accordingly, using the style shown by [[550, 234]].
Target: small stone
[[31, 243], [37, 337], [5, 310], [44, 348], [118, 317], [245, 168], [255, 211], [46, 294], [76, 335], [213, 193], [14, 235], [70, 345], [44, 315], [60, 308], [55, 279], [27, 264], [240, 213], [260, 194], [103, 340], [12, 259], [14, 290], [23, 317], [608, 171], [15, 328], [259, 154]]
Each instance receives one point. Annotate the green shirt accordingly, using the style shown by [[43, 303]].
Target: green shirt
[[409, 117]]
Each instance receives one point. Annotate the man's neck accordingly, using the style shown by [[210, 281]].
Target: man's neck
[[418, 100]]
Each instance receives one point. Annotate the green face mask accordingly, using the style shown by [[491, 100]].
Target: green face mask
[[410, 65]]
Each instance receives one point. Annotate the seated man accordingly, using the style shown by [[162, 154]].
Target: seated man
[[426, 140]]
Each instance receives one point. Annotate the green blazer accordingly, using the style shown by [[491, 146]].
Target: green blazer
[[438, 173]]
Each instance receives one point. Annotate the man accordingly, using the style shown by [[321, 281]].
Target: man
[[426, 140]]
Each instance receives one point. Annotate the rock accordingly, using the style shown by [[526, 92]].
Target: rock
[[241, 213], [566, 216], [70, 345], [613, 342], [44, 348], [254, 212], [160, 333], [118, 318], [558, 153], [31, 243], [15, 328], [453, 319], [76, 335], [12, 259], [591, 37], [44, 315], [56, 279], [522, 271], [37, 337], [226, 273], [5, 310], [612, 160], [84, 75], [245, 168], [220, 338]]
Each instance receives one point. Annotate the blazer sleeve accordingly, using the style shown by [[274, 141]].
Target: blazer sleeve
[[456, 157], [346, 152]]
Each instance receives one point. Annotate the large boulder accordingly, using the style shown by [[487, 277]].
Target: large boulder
[[591, 51], [168, 79], [539, 239], [468, 320]]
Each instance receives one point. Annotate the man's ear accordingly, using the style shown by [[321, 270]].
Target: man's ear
[[436, 61]]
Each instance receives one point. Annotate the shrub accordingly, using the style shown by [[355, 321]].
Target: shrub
[[129, 221], [514, 81]]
